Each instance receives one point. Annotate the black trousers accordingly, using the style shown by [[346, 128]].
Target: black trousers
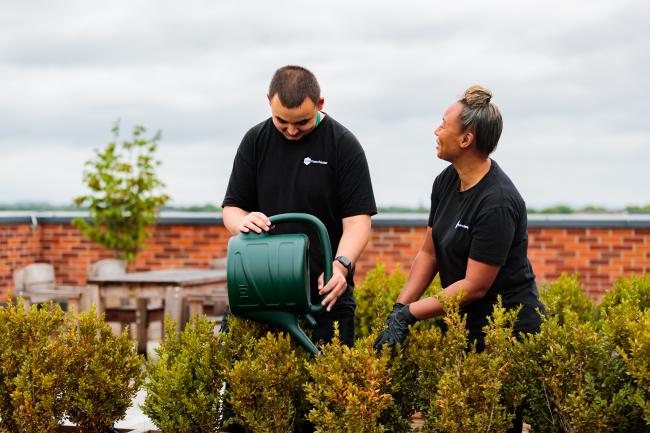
[[324, 330]]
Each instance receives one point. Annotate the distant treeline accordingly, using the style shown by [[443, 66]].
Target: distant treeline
[[559, 209]]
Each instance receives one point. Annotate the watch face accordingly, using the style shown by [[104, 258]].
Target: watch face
[[344, 261]]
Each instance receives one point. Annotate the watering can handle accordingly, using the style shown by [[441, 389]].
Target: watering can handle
[[324, 238]]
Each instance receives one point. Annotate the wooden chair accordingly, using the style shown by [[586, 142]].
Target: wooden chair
[[36, 283], [141, 313]]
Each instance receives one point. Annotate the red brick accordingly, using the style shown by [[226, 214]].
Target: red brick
[[598, 262], [601, 247], [633, 269]]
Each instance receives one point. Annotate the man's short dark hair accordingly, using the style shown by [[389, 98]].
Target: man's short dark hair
[[293, 84]]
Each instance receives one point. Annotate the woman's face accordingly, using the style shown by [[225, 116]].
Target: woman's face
[[449, 135]]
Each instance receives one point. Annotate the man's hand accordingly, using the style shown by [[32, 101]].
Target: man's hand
[[335, 287], [397, 327], [255, 221]]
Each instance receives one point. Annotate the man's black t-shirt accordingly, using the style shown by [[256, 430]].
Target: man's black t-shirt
[[486, 223], [325, 174]]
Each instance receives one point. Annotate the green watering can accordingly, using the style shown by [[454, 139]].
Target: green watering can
[[268, 276]]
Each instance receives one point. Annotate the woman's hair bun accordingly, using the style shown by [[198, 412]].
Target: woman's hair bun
[[477, 96]]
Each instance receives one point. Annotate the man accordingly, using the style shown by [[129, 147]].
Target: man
[[302, 160]]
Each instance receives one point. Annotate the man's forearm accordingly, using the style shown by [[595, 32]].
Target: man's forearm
[[232, 217], [356, 232]]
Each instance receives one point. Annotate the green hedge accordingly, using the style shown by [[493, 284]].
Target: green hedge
[[55, 365], [588, 370]]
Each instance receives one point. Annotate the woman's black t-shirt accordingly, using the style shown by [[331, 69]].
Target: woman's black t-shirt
[[324, 174], [486, 223]]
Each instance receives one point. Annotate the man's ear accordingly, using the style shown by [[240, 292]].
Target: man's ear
[[321, 103], [269, 97]]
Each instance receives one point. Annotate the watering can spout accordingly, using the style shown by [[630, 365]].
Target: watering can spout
[[288, 322]]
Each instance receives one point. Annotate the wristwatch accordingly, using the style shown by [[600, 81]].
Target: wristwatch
[[347, 263]]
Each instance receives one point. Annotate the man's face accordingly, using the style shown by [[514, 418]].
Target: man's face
[[449, 137], [294, 123]]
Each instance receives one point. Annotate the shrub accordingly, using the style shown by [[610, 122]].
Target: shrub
[[413, 382], [637, 360], [32, 360], [376, 295], [103, 376], [186, 380], [466, 389], [454, 387], [628, 329], [574, 380], [242, 335], [53, 365], [564, 295], [348, 387], [635, 289], [265, 384]]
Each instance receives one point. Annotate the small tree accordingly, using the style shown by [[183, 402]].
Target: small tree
[[125, 196]]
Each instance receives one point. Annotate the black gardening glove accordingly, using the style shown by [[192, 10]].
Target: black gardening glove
[[397, 327]]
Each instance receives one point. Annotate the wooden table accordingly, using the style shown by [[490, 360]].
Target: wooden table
[[176, 287]]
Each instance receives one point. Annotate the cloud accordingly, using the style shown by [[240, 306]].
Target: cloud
[[570, 78]]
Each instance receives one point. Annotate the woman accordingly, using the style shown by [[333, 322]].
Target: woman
[[477, 233]]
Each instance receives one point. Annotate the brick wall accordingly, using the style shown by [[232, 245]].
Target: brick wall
[[599, 254], [19, 245]]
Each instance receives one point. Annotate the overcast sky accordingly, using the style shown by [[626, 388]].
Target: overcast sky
[[572, 79]]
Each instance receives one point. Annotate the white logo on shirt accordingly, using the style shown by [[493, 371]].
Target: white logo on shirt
[[308, 161], [462, 226]]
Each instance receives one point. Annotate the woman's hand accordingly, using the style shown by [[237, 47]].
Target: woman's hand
[[397, 327]]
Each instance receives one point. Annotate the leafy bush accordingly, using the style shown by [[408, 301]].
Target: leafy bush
[[376, 295], [413, 383], [584, 372], [53, 365], [265, 384], [348, 387], [575, 382], [32, 360], [637, 360], [564, 295], [628, 329], [103, 376], [186, 379], [635, 289], [466, 390]]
